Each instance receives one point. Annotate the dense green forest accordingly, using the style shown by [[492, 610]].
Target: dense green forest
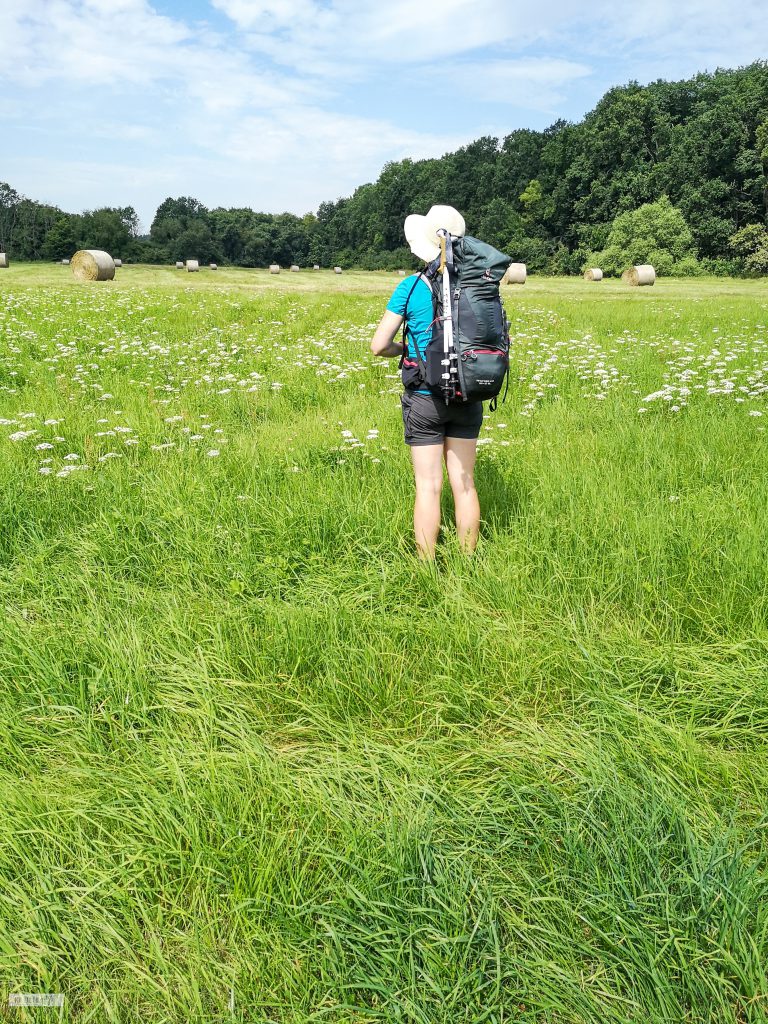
[[557, 199]]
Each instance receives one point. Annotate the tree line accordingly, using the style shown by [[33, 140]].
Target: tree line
[[552, 199]]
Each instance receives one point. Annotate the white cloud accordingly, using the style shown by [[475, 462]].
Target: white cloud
[[533, 83], [344, 36], [91, 42], [268, 15], [306, 137]]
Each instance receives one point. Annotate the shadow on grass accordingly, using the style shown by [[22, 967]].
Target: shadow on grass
[[504, 497]]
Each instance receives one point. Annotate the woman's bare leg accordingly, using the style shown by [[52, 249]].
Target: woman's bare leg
[[460, 456], [428, 473]]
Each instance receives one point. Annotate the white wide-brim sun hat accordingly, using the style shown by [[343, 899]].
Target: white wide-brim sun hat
[[421, 231]]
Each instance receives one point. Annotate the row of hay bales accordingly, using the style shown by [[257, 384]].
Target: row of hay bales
[[643, 274], [275, 268], [516, 273], [97, 265], [193, 266]]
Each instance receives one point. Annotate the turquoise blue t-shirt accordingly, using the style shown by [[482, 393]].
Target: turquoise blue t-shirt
[[418, 317]]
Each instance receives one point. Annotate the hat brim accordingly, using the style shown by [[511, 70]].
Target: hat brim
[[446, 218], [417, 234]]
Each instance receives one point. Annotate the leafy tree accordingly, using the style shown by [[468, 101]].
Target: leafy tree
[[194, 243], [751, 243], [761, 146], [173, 218], [532, 195], [32, 225], [518, 161], [653, 233], [63, 239], [500, 224], [109, 229], [9, 203]]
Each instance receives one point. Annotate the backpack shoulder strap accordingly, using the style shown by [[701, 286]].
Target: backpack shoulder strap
[[420, 276]]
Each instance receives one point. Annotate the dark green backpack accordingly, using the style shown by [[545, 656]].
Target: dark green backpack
[[472, 362]]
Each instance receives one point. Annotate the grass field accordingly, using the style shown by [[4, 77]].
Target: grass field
[[260, 764]]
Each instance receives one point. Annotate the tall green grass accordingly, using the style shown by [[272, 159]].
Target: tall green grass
[[259, 763]]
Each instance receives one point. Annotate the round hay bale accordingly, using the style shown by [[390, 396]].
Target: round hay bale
[[642, 274], [213, 266], [274, 268], [593, 274], [516, 273], [294, 269], [192, 266], [316, 266], [337, 270], [93, 265], [65, 263], [3, 259], [179, 265], [118, 263], [401, 273]]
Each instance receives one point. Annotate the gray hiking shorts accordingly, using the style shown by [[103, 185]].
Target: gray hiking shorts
[[428, 420]]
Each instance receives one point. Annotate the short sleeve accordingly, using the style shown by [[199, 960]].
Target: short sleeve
[[400, 296]]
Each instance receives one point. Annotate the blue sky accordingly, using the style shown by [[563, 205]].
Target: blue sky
[[281, 104]]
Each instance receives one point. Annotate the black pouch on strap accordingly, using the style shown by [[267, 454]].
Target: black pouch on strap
[[410, 373]]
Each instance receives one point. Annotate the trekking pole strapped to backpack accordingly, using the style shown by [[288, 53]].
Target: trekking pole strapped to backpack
[[449, 361]]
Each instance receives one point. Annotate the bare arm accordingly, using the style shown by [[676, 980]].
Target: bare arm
[[383, 341]]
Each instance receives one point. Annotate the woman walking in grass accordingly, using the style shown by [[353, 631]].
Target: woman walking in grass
[[434, 431]]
